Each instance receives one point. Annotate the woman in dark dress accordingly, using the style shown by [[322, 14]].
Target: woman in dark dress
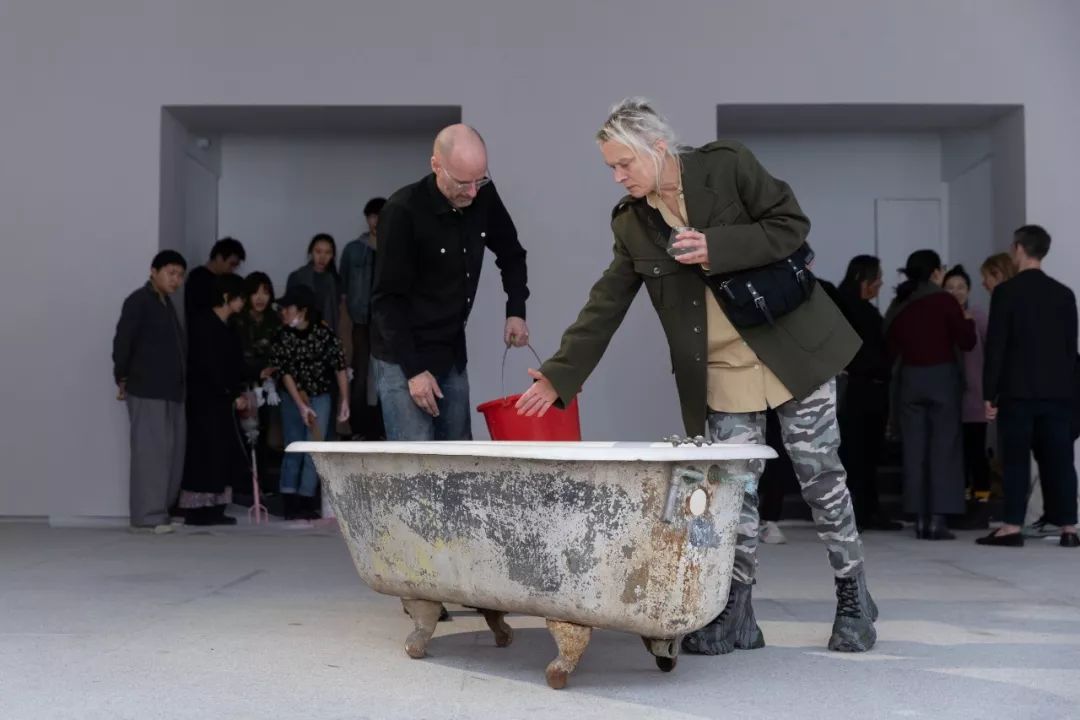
[[864, 403], [215, 457]]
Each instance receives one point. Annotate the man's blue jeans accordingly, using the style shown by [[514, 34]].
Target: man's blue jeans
[[405, 421]]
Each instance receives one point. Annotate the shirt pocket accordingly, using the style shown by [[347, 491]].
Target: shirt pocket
[[663, 279]]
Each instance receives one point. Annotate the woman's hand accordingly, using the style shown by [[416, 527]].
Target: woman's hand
[[538, 398], [694, 249], [343, 411], [308, 415], [241, 403], [267, 373]]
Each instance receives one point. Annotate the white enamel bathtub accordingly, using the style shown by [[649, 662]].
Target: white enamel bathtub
[[636, 537]]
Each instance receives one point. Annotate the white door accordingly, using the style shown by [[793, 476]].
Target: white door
[[902, 226]]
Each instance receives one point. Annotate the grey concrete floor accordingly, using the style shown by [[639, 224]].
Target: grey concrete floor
[[274, 623]]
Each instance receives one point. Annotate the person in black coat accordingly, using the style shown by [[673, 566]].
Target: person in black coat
[[863, 409], [217, 374], [1028, 385]]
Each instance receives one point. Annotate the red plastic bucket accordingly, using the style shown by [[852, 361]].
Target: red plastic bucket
[[504, 423]]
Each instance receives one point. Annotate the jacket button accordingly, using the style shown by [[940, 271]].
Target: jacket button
[[697, 328], [695, 303], [697, 357], [442, 250], [656, 270], [483, 234]]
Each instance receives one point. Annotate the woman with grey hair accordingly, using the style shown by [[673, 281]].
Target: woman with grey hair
[[779, 343]]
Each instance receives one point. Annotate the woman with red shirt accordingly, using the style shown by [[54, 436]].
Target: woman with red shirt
[[926, 330]]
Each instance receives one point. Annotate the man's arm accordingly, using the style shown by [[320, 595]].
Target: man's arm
[[127, 331], [584, 342], [779, 228], [502, 240], [395, 270]]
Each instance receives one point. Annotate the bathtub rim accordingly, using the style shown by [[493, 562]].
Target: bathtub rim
[[559, 451]]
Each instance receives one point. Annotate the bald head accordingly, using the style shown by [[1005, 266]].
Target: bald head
[[459, 158], [460, 142]]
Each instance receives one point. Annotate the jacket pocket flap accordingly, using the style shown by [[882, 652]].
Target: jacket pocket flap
[[656, 267]]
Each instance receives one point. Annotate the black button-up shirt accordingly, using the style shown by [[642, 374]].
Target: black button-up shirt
[[426, 274]]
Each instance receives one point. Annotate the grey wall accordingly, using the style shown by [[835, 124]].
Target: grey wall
[[278, 191], [1019, 192], [967, 167], [837, 177], [82, 87]]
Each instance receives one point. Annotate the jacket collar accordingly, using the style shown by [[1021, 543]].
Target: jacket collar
[[699, 197]]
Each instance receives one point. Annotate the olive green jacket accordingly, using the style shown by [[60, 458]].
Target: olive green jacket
[[749, 219]]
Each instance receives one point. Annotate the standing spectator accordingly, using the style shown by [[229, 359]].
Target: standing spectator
[[972, 410], [357, 279], [996, 270], [864, 403], [925, 327], [215, 457], [321, 276], [310, 361], [148, 367], [431, 250], [1028, 385], [200, 293], [258, 325]]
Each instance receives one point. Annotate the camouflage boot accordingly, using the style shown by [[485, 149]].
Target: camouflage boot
[[853, 629], [734, 628]]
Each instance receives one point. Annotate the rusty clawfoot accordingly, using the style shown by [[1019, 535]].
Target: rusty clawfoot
[[571, 640], [504, 634], [425, 615]]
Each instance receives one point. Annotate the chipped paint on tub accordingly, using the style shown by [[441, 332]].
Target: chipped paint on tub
[[580, 541]]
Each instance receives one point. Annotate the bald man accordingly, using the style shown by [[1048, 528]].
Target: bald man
[[432, 236]]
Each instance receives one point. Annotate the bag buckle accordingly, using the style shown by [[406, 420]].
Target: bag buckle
[[759, 302]]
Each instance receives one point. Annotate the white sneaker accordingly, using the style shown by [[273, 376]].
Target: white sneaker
[[151, 529], [771, 534]]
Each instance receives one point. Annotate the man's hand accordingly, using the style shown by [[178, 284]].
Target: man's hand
[[424, 390], [538, 398], [121, 390], [241, 403], [991, 411], [343, 411], [516, 332], [692, 243], [267, 373]]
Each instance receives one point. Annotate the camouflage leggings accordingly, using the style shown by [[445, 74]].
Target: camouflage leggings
[[812, 439]]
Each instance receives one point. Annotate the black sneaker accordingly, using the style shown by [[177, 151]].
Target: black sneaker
[[1069, 540], [853, 629], [734, 628]]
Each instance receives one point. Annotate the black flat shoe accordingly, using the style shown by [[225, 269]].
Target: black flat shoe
[[1069, 540], [1012, 540], [939, 534]]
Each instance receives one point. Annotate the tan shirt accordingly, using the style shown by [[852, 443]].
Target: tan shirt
[[737, 381]]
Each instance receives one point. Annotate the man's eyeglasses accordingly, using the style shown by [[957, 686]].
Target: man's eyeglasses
[[460, 186]]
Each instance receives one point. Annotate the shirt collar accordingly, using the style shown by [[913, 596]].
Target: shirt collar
[[439, 204]]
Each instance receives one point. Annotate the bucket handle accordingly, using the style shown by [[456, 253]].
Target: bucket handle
[[502, 375]]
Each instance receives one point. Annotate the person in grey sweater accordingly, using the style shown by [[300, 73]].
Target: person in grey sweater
[[149, 370]]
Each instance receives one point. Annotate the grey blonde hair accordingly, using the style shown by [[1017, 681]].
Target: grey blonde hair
[[634, 123]]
